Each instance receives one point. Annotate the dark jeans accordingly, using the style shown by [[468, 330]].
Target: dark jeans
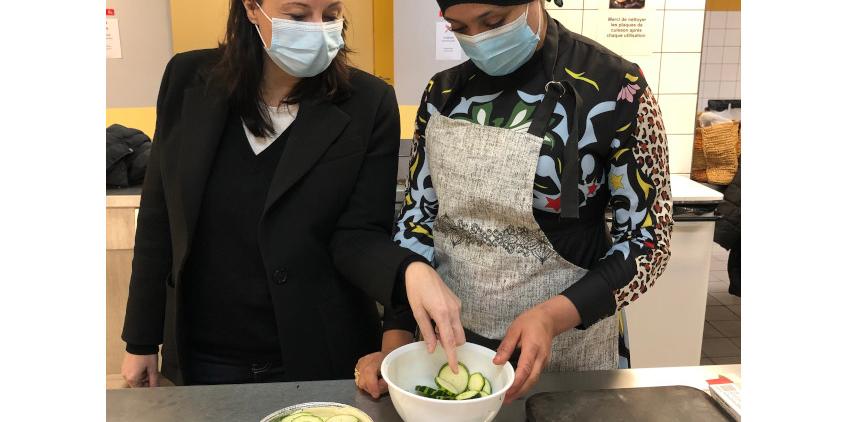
[[205, 369], [733, 268]]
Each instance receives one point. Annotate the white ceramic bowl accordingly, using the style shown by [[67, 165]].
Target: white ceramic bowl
[[411, 365]]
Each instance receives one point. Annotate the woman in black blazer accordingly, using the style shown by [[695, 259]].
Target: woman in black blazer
[[266, 197]]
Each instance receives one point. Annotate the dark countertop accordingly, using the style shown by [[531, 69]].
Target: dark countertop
[[133, 190], [252, 402]]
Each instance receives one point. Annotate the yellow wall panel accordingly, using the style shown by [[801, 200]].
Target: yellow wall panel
[[141, 118], [197, 24], [383, 30], [408, 114], [360, 32], [723, 5]]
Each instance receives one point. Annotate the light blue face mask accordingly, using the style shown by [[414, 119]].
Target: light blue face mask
[[303, 49], [502, 50]]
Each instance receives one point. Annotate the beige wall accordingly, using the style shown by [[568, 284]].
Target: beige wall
[[133, 81]]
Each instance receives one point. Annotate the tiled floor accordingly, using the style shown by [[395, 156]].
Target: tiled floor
[[722, 332]]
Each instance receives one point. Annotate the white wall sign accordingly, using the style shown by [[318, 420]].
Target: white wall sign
[[446, 45], [113, 36], [627, 27]]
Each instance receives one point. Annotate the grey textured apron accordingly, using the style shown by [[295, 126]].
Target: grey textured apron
[[488, 247]]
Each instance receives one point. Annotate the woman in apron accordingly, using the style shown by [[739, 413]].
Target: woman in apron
[[517, 155]]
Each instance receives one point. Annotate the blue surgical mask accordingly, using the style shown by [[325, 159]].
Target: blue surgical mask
[[303, 49], [502, 50]]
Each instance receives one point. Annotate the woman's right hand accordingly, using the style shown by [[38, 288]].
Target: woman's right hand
[[431, 299], [141, 370]]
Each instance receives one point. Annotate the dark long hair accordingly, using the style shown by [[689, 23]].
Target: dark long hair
[[240, 69]]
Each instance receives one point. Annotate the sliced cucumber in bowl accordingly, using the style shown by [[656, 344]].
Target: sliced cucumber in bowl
[[476, 382], [447, 386], [456, 386], [459, 380], [467, 395], [439, 394]]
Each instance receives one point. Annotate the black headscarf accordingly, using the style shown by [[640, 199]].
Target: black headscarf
[[444, 4]]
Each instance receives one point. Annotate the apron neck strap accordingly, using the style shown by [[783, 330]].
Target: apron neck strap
[[557, 88], [569, 179]]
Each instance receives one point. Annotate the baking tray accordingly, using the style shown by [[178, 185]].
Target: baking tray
[[653, 404]]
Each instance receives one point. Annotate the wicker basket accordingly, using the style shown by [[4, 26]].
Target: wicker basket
[[716, 152], [698, 160]]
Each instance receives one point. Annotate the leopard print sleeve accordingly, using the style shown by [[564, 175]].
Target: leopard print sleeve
[[639, 184], [637, 178]]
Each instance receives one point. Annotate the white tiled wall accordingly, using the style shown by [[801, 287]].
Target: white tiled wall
[[673, 70], [720, 68]]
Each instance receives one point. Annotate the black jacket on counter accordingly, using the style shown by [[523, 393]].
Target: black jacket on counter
[[327, 216], [127, 152]]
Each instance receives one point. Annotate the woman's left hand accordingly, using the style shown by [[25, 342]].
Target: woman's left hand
[[533, 331], [367, 374], [369, 379]]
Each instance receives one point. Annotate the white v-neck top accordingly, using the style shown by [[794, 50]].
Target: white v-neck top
[[281, 119]]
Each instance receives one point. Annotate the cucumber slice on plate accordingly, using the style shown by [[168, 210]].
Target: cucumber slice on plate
[[483, 394], [293, 416], [307, 418], [459, 380], [467, 395], [343, 418], [447, 386], [476, 382], [487, 387]]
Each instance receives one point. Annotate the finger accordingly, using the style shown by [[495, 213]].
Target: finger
[[138, 383], [135, 381], [537, 367], [507, 346], [456, 318], [525, 365], [448, 341], [153, 379], [370, 378], [383, 386], [458, 330], [425, 325]]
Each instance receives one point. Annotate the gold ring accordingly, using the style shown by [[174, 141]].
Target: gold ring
[[356, 376]]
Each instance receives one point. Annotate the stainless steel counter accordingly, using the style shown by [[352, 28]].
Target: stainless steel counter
[[251, 402]]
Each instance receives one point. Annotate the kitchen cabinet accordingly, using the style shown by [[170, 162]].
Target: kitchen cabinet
[[665, 326]]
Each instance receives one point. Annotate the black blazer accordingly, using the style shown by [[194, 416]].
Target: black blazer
[[327, 217]]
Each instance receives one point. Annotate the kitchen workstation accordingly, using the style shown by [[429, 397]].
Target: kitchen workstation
[[648, 394], [423, 210]]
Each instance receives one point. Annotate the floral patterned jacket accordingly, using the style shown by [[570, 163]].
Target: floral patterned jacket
[[622, 154]]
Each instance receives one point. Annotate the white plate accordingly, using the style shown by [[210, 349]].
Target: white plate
[[279, 414]]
